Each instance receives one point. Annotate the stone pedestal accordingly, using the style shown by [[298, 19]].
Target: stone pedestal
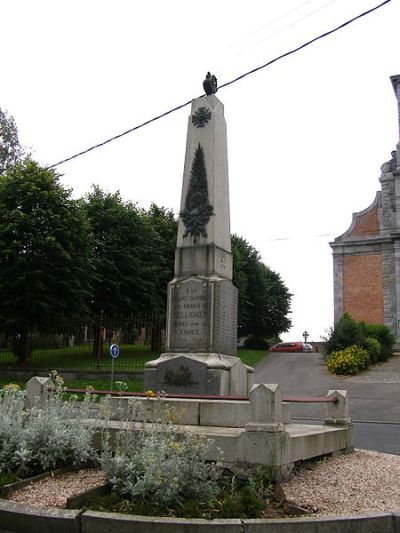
[[201, 343]]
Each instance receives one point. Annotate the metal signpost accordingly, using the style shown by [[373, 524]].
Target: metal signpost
[[114, 352]]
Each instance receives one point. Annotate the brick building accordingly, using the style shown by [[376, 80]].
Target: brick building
[[366, 258]]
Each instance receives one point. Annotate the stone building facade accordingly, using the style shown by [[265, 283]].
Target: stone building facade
[[366, 258]]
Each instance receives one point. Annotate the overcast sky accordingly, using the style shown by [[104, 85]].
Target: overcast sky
[[306, 136]]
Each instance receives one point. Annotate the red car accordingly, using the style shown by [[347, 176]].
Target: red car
[[288, 347]]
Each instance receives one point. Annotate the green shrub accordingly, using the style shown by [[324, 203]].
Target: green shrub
[[36, 440], [161, 464], [373, 348], [384, 336], [346, 332], [348, 361]]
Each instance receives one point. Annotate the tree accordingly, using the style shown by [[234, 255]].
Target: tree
[[10, 148], [264, 300], [127, 259], [44, 254], [124, 256], [165, 227]]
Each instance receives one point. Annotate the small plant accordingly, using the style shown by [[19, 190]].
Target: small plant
[[348, 361], [161, 463], [37, 439]]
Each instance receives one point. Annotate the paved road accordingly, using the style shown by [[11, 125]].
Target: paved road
[[374, 395]]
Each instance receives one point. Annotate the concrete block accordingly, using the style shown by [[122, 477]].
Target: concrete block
[[184, 411], [37, 392], [265, 408], [96, 522], [263, 447], [338, 413], [20, 518], [224, 414], [238, 379]]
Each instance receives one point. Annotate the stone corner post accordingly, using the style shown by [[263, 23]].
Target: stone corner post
[[37, 392], [265, 408], [338, 412]]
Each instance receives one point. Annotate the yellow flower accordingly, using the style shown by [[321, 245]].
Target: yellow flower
[[12, 386]]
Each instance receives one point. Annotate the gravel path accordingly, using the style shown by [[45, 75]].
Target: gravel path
[[355, 483], [363, 481]]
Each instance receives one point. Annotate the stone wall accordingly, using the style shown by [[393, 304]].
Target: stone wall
[[362, 287], [366, 258]]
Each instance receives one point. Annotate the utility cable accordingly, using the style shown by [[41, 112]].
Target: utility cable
[[272, 61]]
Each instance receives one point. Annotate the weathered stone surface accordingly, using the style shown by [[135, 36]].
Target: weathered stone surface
[[186, 375], [202, 301], [189, 315], [37, 391], [202, 316]]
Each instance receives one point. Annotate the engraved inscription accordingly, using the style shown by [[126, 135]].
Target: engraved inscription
[[189, 316], [225, 318]]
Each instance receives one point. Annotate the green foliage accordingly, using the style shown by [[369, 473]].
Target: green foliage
[[377, 339], [123, 258], [36, 440], [348, 361], [165, 228], [10, 149], [44, 252], [346, 332], [251, 357], [373, 348], [243, 503], [264, 300], [384, 336], [160, 464]]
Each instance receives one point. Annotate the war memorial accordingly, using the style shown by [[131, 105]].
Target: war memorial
[[199, 374]]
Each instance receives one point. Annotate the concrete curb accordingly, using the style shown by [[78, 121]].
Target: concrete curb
[[19, 518]]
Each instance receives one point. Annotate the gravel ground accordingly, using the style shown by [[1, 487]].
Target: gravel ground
[[363, 481], [54, 491], [359, 482]]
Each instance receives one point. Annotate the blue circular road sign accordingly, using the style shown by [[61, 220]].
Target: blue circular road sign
[[114, 351]]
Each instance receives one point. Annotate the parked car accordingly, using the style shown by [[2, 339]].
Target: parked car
[[307, 347], [287, 347]]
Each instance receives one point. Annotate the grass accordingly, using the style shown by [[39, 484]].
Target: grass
[[251, 357], [132, 357]]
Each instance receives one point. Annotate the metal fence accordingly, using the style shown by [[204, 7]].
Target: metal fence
[[83, 342]]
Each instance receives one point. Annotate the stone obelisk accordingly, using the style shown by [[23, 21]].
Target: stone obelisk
[[201, 342]]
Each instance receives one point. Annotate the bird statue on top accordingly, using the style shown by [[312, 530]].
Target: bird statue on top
[[210, 84]]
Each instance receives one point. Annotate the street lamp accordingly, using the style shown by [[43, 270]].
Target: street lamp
[[305, 335]]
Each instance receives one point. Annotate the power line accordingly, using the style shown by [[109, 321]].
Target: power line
[[265, 65]]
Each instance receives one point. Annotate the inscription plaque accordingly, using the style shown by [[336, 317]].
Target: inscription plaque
[[189, 316]]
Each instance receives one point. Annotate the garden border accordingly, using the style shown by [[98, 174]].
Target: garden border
[[20, 518]]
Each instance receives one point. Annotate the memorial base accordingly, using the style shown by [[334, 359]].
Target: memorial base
[[198, 373]]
